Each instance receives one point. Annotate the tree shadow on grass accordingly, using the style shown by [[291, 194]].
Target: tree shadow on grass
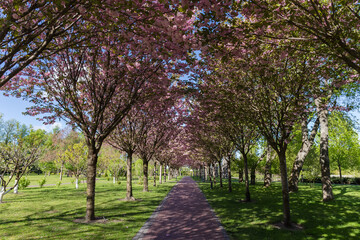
[[53, 217], [332, 220]]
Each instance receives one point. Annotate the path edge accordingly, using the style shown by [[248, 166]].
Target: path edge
[[217, 219], [144, 229]]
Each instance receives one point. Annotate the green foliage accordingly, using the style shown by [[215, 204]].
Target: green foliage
[[75, 158], [344, 147], [58, 184], [138, 168], [42, 182], [24, 182]]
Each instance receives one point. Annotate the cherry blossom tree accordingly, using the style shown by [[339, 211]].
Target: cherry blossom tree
[[125, 138], [94, 84], [273, 90], [29, 30], [328, 28]]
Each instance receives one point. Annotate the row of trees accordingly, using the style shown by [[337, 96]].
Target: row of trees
[[261, 67], [266, 67], [25, 150]]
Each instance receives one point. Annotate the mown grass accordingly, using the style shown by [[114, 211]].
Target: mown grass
[[339, 219], [50, 179], [49, 212]]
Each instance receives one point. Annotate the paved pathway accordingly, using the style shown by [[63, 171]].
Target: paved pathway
[[184, 214]]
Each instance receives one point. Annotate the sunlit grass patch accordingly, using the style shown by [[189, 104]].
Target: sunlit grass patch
[[338, 219], [49, 212]]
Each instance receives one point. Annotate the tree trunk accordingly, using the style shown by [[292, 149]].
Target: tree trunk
[[145, 172], [129, 190], [229, 174], [214, 174], [16, 188], [252, 176], [169, 173], [241, 174], [160, 174], [341, 180], [206, 173], [210, 178], [154, 173], [285, 188], [2, 193], [307, 142], [267, 176], [164, 173], [90, 180], [61, 171], [114, 179], [220, 174], [324, 152], [246, 170], [77, 183]]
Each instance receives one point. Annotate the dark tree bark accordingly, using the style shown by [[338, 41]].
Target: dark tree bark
[[220, 174], [211, 180], [241, 174], [154, 173], [307, 142], [324, 151], [165, 173], [247, 191], [129, 190], [268, 175], [214, 173], [252, 176], [160, 174], [90, 180], [341, 179], [145, 172], [285, 188], [229, 174]]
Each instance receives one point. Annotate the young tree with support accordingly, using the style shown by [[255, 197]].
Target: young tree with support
[[17, 156]]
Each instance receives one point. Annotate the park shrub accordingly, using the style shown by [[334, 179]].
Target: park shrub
[[24, 182], [42, 182], [58, 184]]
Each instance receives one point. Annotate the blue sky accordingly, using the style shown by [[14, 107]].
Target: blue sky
[[12, 108]]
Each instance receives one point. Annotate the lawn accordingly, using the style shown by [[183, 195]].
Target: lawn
[[49, 212], [339, 219]]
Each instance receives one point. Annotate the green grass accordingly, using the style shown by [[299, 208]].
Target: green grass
[[49, 212], [339, 219], [52, 179]]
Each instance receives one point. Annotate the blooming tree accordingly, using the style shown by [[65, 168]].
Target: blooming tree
[[94, 84]]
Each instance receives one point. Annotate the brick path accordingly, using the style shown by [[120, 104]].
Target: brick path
[[184, 214]]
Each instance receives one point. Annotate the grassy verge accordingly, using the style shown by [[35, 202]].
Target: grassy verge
[[338, 219], [49, 213]]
